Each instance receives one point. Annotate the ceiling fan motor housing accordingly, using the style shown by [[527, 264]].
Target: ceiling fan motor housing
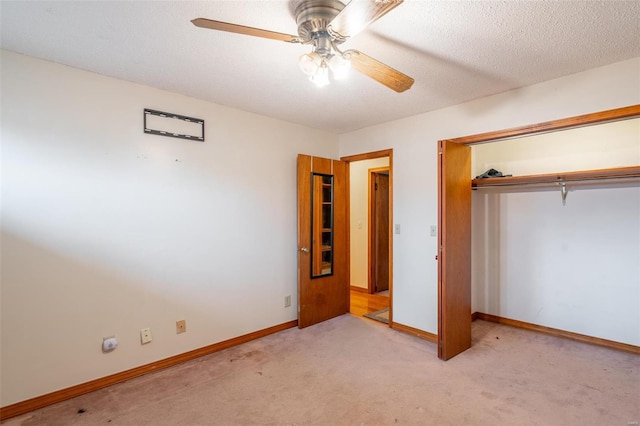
[[312, 18]]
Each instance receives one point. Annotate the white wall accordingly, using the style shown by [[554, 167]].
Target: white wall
[[601, 146], [414, 142], [359, 218], [106, 230]]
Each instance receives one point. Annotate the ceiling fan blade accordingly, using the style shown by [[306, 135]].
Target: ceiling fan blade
[[241, 29], [378, 71], [358, 14]]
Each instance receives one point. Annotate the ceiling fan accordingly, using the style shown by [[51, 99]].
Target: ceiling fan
[[325, 24]]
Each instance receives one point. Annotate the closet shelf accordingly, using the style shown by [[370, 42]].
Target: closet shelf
[[559, 178]]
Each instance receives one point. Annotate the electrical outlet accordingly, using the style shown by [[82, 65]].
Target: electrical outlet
[[287, 301], [181, 326], [145, 335], [434, 231]]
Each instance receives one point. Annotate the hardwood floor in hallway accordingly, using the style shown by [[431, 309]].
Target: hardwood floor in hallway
[[364, 303]]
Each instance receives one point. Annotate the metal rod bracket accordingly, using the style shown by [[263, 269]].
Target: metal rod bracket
[[563, 191]]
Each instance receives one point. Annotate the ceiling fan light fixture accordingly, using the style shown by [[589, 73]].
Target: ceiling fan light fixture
[[339, 66], [321, 76], [309, 63]]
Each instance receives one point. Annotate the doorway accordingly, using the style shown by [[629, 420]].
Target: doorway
[[371, 242]]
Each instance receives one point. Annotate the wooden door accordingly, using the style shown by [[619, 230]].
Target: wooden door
[[323, 243], [380, 231], [454, 240]]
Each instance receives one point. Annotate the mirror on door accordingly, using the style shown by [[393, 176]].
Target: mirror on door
[[321, 225]]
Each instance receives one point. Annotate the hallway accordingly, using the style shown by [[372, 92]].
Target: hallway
[[364, 303]]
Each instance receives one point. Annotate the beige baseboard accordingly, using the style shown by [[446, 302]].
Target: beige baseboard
[[558, 333], [415, 332], [93, 385]]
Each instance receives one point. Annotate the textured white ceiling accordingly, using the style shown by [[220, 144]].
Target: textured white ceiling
[[455, 50]]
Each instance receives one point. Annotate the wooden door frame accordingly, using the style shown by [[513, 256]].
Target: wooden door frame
[[601, 117], [370, 156], [371, 262]]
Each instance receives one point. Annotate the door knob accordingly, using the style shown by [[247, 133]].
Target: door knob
[[304, 250]]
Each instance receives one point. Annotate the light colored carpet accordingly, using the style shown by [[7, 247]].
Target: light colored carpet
[[382, 315], [351, 371]]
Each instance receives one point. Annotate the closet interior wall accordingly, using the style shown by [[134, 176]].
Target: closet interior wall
[[572, 266]]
